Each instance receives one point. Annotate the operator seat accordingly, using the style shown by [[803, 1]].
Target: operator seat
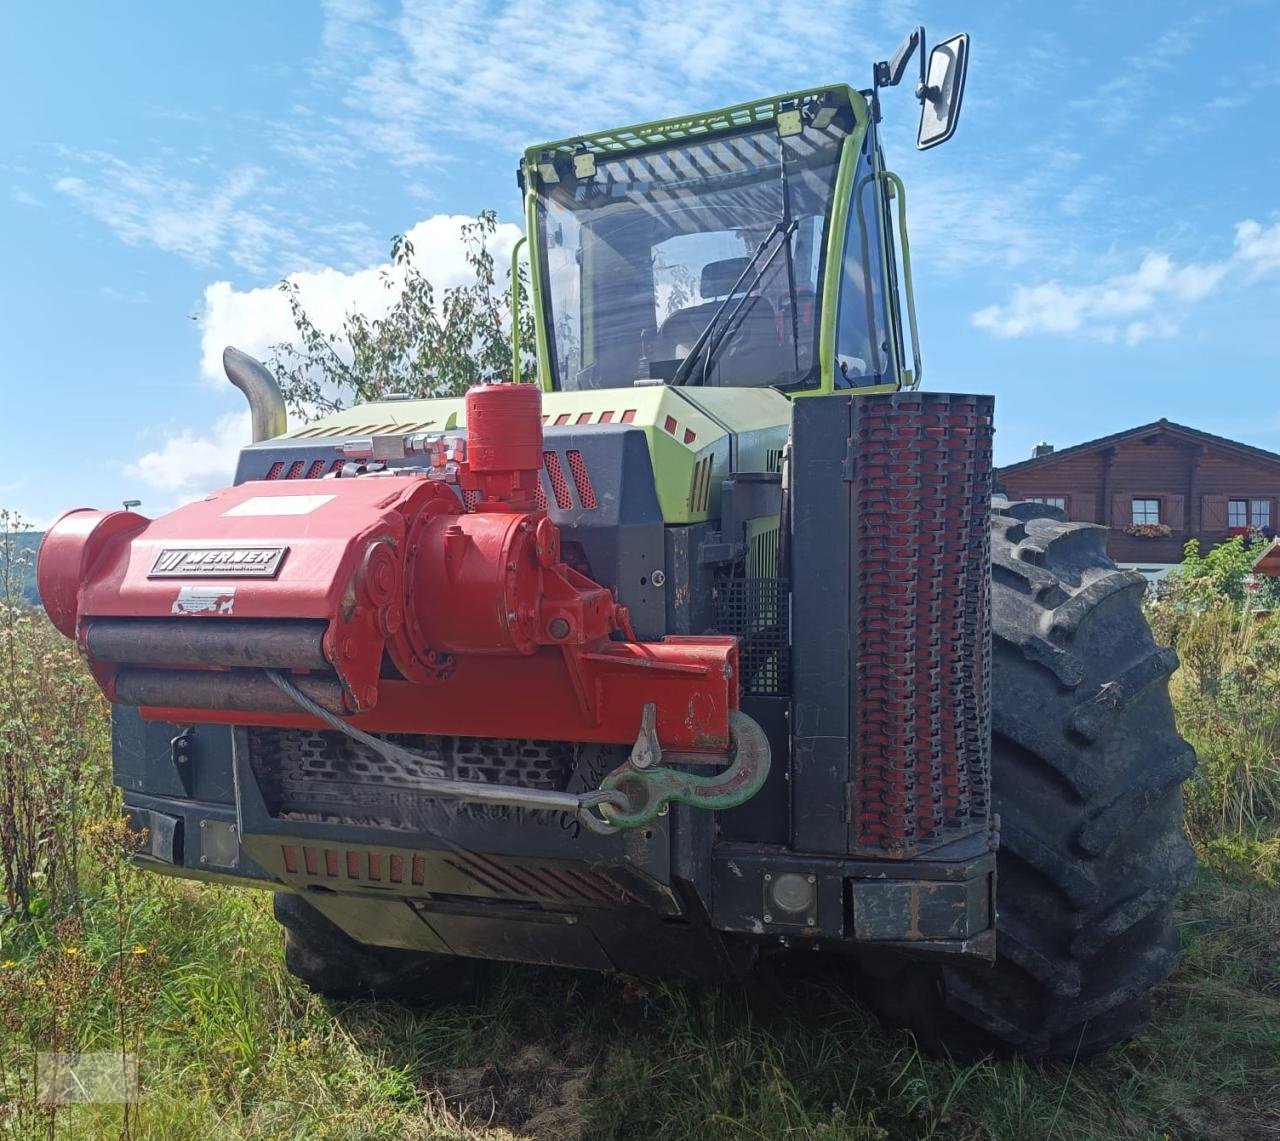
[[754, 355]]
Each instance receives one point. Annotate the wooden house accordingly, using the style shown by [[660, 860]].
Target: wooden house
[[1156, 487]]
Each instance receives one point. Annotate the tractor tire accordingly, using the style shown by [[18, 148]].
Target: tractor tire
[[330, 963], [1087, 769]]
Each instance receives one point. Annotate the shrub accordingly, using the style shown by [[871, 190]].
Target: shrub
[[1215, 612]]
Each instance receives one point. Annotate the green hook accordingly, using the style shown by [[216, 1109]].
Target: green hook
[[649, 788]]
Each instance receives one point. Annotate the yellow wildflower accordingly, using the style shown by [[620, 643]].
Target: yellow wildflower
[[139, 949], [7, 965], [71, 950]]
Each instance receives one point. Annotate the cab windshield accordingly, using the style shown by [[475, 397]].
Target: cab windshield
[[699, 263]]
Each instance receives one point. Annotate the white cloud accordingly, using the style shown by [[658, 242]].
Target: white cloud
[[1258, 246], [187, 466], [256, 319], [147, 203], [530, 69], [1119, 101], [1133, 307]]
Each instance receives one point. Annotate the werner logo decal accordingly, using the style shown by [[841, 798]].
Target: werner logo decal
[[218, 562]]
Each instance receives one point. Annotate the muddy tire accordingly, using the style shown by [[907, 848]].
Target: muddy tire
[[331, 963], [1087, 769]]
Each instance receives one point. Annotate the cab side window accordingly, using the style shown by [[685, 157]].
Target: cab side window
[[862, 328]]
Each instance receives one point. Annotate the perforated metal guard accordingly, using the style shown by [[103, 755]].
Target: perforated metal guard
[[321, 775], [755, 611], [922, 503]]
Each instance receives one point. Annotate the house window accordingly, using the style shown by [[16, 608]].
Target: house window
[[1248, 513], [1059, 501], [1146, 511]]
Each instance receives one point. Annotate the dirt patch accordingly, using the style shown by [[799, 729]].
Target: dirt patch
[[1238, 1117], [532, 1094]]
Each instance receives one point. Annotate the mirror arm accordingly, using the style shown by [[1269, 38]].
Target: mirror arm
[[888, 73]]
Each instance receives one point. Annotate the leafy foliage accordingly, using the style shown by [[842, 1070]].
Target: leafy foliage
[[429, 342], [1219, 616], [1225, 573]]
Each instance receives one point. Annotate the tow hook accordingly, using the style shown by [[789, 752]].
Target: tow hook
[[650, 787]]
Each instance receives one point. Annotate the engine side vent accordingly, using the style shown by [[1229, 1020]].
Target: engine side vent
[[559, 485], [581, 479], [700, 486]]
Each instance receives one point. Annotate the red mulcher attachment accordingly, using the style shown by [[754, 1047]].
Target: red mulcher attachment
[[385, 601]]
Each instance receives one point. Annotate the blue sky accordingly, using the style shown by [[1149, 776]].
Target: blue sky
[[1099, 245]]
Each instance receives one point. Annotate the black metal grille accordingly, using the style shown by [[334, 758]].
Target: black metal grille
[[757, 612], [322, 775]]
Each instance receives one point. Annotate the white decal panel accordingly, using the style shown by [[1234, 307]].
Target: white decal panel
[[266, 505], [205, 600]]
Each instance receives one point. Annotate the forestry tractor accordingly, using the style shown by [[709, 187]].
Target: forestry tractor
[[712, 644]]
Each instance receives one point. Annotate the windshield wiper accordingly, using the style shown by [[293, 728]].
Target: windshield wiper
[[785, 229]]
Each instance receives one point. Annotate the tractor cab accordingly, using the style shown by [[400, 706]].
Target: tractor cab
[[754, 246]]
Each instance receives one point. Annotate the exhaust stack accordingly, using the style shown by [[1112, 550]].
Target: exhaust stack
[[266, 405]]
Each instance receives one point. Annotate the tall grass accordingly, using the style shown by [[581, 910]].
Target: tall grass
[[54, 748], [1227, 698]]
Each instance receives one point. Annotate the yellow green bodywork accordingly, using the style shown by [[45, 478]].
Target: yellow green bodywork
[[688, 432]]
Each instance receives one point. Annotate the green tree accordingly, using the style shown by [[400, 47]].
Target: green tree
[[429, 342]]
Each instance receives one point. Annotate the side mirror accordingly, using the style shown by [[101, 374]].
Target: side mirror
[[942, 90]]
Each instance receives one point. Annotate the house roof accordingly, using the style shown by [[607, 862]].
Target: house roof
[[1191, 435], [1268, 563]]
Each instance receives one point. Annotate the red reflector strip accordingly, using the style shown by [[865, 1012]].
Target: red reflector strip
[[290, 854], [670, 424], [295, 469], [628, 416], [316, 470], [276, 469]]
